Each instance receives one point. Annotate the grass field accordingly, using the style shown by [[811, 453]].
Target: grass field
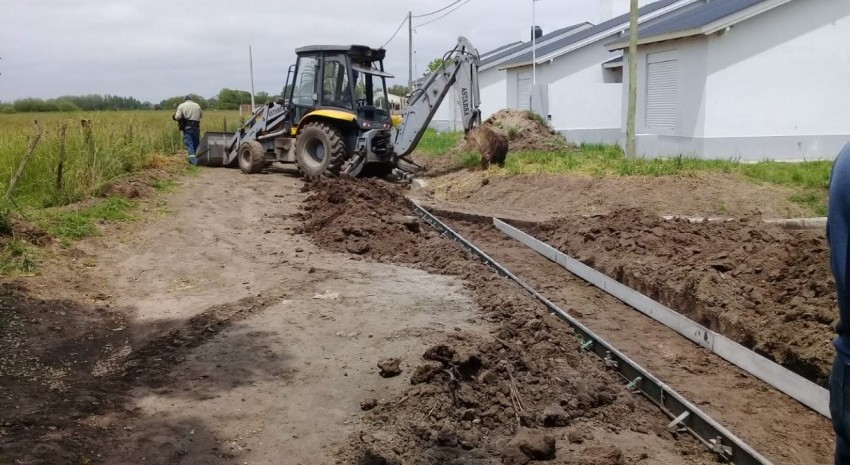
[[117, 143], [811, 179], [100, 148]]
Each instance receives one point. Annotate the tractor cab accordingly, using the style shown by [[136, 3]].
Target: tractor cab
[[348, 79]]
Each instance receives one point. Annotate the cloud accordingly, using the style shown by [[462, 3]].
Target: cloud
[[153, 49]]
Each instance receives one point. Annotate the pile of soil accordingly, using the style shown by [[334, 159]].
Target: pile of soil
[[768, 288], [526, 131], [522, 393]]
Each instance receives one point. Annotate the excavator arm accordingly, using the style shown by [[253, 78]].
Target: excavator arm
[[460, 68]]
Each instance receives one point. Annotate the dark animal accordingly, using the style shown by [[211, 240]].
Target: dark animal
[[492, 145]]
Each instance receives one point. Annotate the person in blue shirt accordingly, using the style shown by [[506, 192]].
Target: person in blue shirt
[[838, 237]]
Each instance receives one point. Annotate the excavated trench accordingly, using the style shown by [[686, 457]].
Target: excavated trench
[[462, 415], [520, 390]]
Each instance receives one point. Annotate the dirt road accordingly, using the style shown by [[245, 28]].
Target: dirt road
[[247, 341], [218, 331]]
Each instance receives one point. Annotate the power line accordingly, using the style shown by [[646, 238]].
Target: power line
[[437, 11], [396, 32], [443, 15]]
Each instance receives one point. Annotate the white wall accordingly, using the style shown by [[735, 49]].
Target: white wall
[[494, 91], [774, 86], [785, 72], [579, 99]]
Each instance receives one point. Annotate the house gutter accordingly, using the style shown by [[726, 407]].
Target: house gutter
[[614, 30], [708, 29]]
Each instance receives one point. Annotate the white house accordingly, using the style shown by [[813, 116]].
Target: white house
[[579, 81], [747, 79], [491, 80]]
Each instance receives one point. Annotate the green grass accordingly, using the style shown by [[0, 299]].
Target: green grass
[[813, 200], [16, 257], [165, 185], [76, 223], [438, 143], [113, 146], [117, 143], [810, 178]]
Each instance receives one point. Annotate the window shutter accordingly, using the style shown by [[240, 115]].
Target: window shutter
[[662, 80]]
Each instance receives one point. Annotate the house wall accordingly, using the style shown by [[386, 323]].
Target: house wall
[[773, 86], [583, 107], [494, 90], [690, 100]]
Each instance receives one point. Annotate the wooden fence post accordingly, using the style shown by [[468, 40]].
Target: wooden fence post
[[27, 156], [61, 168]]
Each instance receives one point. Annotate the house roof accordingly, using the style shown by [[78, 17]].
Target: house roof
[[499, 49], [493, 57], [616, 62], [593, 34], [707, 18]]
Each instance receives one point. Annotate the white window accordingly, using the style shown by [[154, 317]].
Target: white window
[[523, 87], [662, 89]]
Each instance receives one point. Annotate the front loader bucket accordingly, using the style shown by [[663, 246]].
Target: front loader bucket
[[213, 148]]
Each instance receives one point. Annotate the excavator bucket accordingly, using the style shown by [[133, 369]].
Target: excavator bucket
[[213, 148]]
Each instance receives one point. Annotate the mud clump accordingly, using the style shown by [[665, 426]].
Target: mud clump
[[529, 445], [492, 146], [389, 367], [768, 288]]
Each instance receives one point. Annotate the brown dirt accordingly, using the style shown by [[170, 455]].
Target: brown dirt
[[471, 393], [198, 338], [128, 189], [767, 288], [542, 197], [528, 133], [776, 425], [523, 134]]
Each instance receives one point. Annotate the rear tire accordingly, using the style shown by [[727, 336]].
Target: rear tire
[[320, 150], [252, 157]]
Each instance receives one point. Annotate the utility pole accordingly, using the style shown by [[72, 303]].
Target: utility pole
[[251, 64], [410, 50], [630, 118], [533, 42]]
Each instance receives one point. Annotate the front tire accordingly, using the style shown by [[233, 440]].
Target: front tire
[[319, 149], [252, 157]]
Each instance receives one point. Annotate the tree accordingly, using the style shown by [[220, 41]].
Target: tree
[[399, 90], [436, 64]]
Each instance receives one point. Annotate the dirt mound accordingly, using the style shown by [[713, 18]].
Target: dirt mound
[[128, 189], [512, 396], [524, 130], [767, 288]]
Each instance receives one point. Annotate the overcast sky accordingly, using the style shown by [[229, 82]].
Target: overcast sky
[[153, 49]]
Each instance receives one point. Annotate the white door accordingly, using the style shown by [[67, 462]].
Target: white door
[[662, 90], [523, 88]]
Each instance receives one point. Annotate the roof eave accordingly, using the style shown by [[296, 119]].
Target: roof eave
[[742, 15], [613, 47], [518, 65], [708, 29]]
